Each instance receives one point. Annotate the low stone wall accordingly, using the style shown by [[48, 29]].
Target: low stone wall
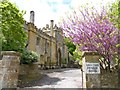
[[9, 69], [91, 70], [27, 73], [1, 74], [104, 79], [109, 79]]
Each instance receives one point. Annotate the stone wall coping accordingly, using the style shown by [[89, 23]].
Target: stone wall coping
[[12, 53], [89, 53]]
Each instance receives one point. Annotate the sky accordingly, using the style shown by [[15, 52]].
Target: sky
[[46, 10]]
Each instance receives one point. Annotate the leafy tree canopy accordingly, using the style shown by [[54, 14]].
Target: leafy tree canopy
[[77, 54], [92, 30], [14, 36], [113, 13], [70, 45]]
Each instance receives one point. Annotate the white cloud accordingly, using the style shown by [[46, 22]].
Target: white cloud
[[42, 12], [44, 9]]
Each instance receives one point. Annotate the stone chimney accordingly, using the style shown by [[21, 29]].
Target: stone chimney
[[47, 26], [51, 27], [55, 27], [32, 16]]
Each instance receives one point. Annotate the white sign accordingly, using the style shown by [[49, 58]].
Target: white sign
[[92, 68]]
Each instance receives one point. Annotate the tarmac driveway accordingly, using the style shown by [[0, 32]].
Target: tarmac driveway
[[57, 79]]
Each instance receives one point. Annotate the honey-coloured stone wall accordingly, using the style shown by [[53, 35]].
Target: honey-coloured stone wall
[[9, 69]]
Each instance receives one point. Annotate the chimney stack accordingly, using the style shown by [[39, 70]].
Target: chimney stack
[[32, 14], [51, 27], [47, 26]]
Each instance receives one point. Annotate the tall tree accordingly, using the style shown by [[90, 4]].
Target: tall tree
[[114, 13], [92, 30], [70, 45], [14, 36]]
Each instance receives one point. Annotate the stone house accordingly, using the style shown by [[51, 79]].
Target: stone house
[[47, 42]]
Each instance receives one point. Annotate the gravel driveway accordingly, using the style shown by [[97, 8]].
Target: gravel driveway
[[57, 79]]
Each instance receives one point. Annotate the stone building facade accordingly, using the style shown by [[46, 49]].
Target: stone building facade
[[47, 42]]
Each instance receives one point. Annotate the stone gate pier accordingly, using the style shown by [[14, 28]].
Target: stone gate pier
[[91, 70], [9, 69]]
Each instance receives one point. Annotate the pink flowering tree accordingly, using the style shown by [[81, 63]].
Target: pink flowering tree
[[92, 30]]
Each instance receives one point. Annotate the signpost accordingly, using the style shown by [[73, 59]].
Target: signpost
[[92, 68]]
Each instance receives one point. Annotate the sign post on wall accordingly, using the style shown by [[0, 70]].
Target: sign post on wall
[[92, 68]]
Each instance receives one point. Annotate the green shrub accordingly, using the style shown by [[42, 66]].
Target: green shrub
[[29, 57], [118, 45]]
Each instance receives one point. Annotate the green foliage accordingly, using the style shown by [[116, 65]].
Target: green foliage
[[77, 55], [118, 45], [70, 45], [29, 57], [1, 40], [14, 36], [114, 12], [64, 61]]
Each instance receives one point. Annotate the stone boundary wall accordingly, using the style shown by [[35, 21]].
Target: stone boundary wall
[[27, 73], [9, 69], [109, 79], [1, 74], [105, 79], [90, 80]]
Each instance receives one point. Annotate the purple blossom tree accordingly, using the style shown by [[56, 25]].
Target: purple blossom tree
[[92, 30]]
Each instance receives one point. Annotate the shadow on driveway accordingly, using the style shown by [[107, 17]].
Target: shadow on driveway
[[46, 80]]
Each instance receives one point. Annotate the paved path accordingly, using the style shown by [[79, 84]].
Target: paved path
[[58, 78]]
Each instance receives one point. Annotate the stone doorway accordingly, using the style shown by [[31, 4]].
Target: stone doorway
[[59, 57], [42, 61]]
